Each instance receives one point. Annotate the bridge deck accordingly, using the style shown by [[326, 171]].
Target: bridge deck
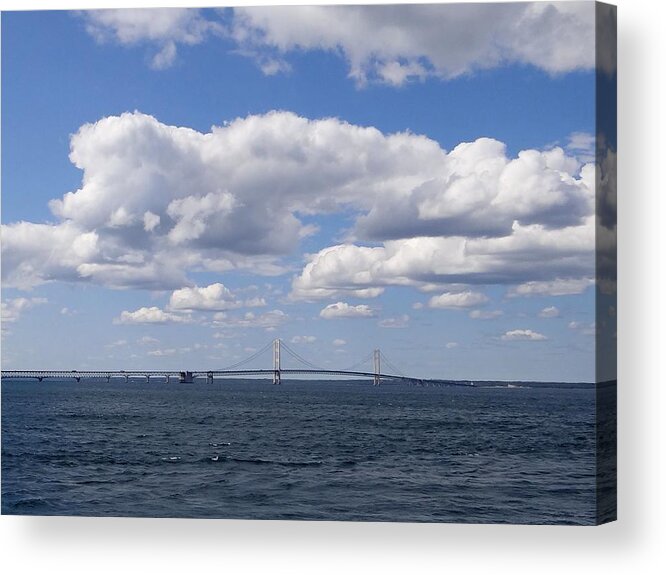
[[209, 374]]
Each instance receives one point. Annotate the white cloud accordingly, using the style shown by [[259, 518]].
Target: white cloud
[[457, 300], [162, 27], [215, 297], [35, 253], [554, 287], [148, 340], [149, 315], [221, 335], [564, 254], [13, 308], [344, 310], [174, 201], [395, 322], [451, 345], [162, 352], [523, 335], [477, 190], [583, 145], [583, 327], [268, 320], [117, 343], [339, 342], [485, 314], [157, 210], [150, 221], [392, 44], [389, 44], [550, 311], [303, 339]]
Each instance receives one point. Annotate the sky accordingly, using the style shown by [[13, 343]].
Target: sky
[[182, 186]]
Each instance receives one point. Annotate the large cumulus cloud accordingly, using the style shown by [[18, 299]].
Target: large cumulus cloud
[[528, 254], [158, 202]]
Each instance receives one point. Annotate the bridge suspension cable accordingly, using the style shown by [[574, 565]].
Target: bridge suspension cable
[[391, 365], [298, 357], [358, 364], [248, 359]]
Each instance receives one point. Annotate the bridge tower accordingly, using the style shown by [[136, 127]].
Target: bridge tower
[[277, 379], [376, 354]]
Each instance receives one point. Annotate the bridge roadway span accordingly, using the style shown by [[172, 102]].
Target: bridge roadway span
[[190, 376]]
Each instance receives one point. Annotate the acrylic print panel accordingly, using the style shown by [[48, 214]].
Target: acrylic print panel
[[338, 263]]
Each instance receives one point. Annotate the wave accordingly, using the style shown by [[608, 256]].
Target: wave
[[260, 461]]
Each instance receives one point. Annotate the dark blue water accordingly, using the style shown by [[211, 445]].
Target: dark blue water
[[303, 450]]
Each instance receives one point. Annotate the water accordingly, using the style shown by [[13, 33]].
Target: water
[[303, 450]]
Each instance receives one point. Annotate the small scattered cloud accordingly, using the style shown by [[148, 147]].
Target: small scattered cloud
[[215, 297], [117, 343], [162, 352], [341, 310], [162, 28], [550, 311], [150, 221], [555, 287], [455, 300], [150, 315], [12, 309], [303, 339], [451, 345], [339, 342], [583, 328], [583, 145], [523, 335], [223, 335], [485, 314], [395, 322], [268, 320], [147, 340]]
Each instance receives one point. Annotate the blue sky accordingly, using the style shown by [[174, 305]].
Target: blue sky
[[358, 190]]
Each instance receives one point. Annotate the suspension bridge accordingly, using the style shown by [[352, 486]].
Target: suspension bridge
[[370, 367]]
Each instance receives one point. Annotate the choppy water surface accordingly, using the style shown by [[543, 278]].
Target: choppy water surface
[[303, 450]]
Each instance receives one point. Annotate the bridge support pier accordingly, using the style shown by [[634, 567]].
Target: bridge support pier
[[376, 355], [209, 377], [277, 375]]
